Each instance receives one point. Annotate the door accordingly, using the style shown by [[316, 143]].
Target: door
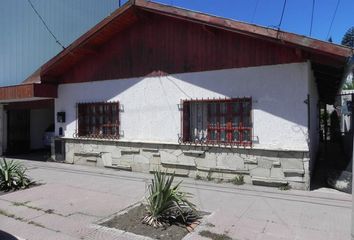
[[18, 132]]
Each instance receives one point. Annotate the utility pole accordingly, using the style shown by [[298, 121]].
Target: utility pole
[[119, 3]]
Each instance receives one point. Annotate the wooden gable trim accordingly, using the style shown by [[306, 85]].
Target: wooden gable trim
[[27, 91]]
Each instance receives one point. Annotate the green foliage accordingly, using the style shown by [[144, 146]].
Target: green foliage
[[285, 187], [238, 180], [198, 177], [348, 85], [13, 176], [348, 38], [209, 176], [167, 204], [214, 236]]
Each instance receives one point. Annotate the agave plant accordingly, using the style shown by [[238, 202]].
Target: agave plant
[[13, 176], [167, 204]]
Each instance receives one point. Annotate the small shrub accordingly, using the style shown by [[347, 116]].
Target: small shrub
[[198, 177], [209, 177], [219, 180], [238, 180], [285, 187], [13, 176], [167, 204]]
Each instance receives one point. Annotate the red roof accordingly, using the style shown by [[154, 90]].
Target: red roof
[[328, 60]]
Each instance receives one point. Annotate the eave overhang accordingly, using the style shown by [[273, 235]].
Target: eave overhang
[[27, 92]]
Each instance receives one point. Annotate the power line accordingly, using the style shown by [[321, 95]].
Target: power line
[[281, 19], [313, 10], [254, 11], [45, 24], [282, 15], [334, 16]]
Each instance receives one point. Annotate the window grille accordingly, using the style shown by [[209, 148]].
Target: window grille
[[98, 120], [217, 121]]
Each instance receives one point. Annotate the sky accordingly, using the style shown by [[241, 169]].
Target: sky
[[25, 44], [297, 15]]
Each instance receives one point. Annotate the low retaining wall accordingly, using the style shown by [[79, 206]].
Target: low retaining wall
[[261, 167]]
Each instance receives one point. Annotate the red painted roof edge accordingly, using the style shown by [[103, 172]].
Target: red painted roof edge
[[202, 18], [247, 28]]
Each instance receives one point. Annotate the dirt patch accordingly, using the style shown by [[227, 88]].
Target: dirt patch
[[131, 222], [30, 186]]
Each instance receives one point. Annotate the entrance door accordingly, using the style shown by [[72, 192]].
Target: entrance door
[[18, 134]]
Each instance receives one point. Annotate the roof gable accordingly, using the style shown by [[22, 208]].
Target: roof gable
[[157, 44], [204, 42]]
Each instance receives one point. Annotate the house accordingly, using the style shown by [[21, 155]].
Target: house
[[158, 87]]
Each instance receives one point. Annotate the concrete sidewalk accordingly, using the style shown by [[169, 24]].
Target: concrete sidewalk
[[74, 198]]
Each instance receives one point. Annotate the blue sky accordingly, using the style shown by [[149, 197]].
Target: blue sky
[[297, 16]]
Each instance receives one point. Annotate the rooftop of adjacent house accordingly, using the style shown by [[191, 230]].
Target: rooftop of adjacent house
[[329, 61]]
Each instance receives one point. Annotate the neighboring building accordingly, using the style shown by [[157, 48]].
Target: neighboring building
[[154, 86], [25, 42]]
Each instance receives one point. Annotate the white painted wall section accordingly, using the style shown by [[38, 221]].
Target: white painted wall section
[[151, 104]]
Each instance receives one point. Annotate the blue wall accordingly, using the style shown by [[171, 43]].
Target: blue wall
[[25, 44]]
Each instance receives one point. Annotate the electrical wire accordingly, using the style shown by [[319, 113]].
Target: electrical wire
[[282, 15], [313, 10], [254, 11], [281, 19], [45, 24], [334, 16]]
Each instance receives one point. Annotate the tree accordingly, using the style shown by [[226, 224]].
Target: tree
[[348, 38]]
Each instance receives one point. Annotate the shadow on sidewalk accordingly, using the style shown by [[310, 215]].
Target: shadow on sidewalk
[[7, 236]]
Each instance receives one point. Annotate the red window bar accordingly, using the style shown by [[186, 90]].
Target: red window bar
[[229, 121], [98, 120]]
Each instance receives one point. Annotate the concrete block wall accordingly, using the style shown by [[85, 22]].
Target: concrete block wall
[[261, 167]]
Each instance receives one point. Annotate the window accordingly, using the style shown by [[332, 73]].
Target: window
[[226, 121], [98, 120]]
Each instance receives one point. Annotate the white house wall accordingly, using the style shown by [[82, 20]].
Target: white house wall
[[151, 111]]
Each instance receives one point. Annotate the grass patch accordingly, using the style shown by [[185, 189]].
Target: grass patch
[[25, 204], [17, 204], [285, 187], [198, 177], [238, 180], [209, 225], [219, 180], [49, 211], [214, 236], [209, 176], [6, 214], [13, 216], [36, 224]]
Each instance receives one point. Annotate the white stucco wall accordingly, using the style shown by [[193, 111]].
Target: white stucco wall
[[151, 112]]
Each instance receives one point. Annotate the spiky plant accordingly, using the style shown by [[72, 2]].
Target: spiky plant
[[167, 204], [13, 176]]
